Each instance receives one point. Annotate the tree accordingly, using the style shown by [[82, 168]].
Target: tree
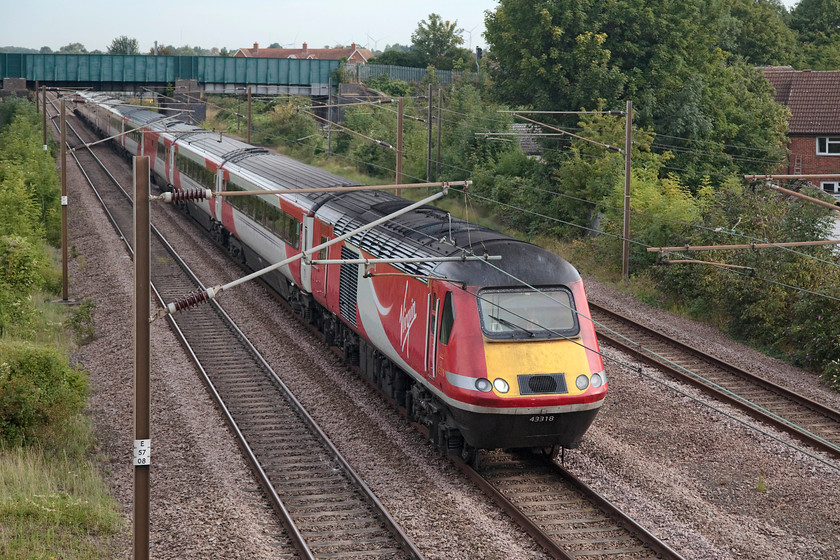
[[572, 54], [163, 50], [45, 50], [399, 58], [761, 34], [818, 24], [437, 41], [816, 19], [73, 48], [123, 45], [544, 51]]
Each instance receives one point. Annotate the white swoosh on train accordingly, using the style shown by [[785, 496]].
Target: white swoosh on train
[[382, 310]]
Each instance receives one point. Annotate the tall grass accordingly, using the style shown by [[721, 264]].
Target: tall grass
[[53, 501]]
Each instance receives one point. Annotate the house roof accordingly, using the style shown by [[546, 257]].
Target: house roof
[[352, 53], [813, 98]]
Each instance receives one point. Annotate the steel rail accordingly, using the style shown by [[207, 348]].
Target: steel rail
[[277, 505], [261, 475], [561, 548], [715, 389]]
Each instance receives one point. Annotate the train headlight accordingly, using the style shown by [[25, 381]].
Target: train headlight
[[501, 385], [483, 385], [596, 380], [582, 382]]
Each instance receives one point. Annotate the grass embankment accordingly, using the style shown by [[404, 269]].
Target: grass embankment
[[53, 501], [54, 504]]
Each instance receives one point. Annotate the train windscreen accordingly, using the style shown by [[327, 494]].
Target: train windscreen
[[547, 313]]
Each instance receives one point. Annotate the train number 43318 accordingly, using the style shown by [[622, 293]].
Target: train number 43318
[[541, 418]]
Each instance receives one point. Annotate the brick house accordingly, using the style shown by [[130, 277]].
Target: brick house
[[814, 101], [353, 53]]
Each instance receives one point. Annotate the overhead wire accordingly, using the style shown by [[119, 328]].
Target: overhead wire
[[619, 362], [800, 253], [807, 255], [635, 242]]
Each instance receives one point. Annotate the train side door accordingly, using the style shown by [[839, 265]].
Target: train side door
[[431, 332], [446, 319], [306, 269], [220, 186], [319, 271]]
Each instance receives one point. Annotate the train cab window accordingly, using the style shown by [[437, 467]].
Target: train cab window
[[447, 319], [322, 254], [511, 313]]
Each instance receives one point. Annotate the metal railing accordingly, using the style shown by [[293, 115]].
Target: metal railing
[[364, 72]]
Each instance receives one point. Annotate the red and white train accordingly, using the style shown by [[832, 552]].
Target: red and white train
[[498, 354]]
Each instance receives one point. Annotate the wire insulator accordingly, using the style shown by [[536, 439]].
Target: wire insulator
[[188, 194], [191, 300]]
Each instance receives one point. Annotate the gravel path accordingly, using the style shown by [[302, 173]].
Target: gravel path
[[712, 487]]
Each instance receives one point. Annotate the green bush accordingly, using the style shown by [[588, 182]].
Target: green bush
[[786, 301], [29, 184], [38, 390], [389, 85], [24, 269]]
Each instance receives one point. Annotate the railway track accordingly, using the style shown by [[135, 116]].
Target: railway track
[[564, 515], [805, 419], [326, 508], [560, 512]]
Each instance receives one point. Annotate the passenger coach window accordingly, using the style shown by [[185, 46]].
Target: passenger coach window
[[161, 150], [447, 319], [195, 171], [271, 217]]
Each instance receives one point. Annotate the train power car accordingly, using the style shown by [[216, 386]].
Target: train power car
[[486, 354]]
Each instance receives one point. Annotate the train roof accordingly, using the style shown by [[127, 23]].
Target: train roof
[[425, 232], [266, 169], [432, 232]]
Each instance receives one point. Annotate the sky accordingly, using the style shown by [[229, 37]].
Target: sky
[[213, 23]]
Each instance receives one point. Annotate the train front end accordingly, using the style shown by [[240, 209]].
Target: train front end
[[531, 374]]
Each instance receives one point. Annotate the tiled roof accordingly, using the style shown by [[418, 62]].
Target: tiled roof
[[353, 53], [813, 98]]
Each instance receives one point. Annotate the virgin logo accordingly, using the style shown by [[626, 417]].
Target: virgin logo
[[408, 314]]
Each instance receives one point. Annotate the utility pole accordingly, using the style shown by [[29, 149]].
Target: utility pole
[[628, 144], [440, 124], [429, 153], [44, 123], [399, 144], [37, 99], [64, 287], [249, 114], [142, 367], [329, 116]]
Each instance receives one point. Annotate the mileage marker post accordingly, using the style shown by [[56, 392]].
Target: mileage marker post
[[142, 368]]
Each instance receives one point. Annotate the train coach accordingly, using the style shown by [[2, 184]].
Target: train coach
[[485, 354]]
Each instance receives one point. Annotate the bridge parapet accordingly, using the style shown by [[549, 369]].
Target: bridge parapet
[[214, 74]]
